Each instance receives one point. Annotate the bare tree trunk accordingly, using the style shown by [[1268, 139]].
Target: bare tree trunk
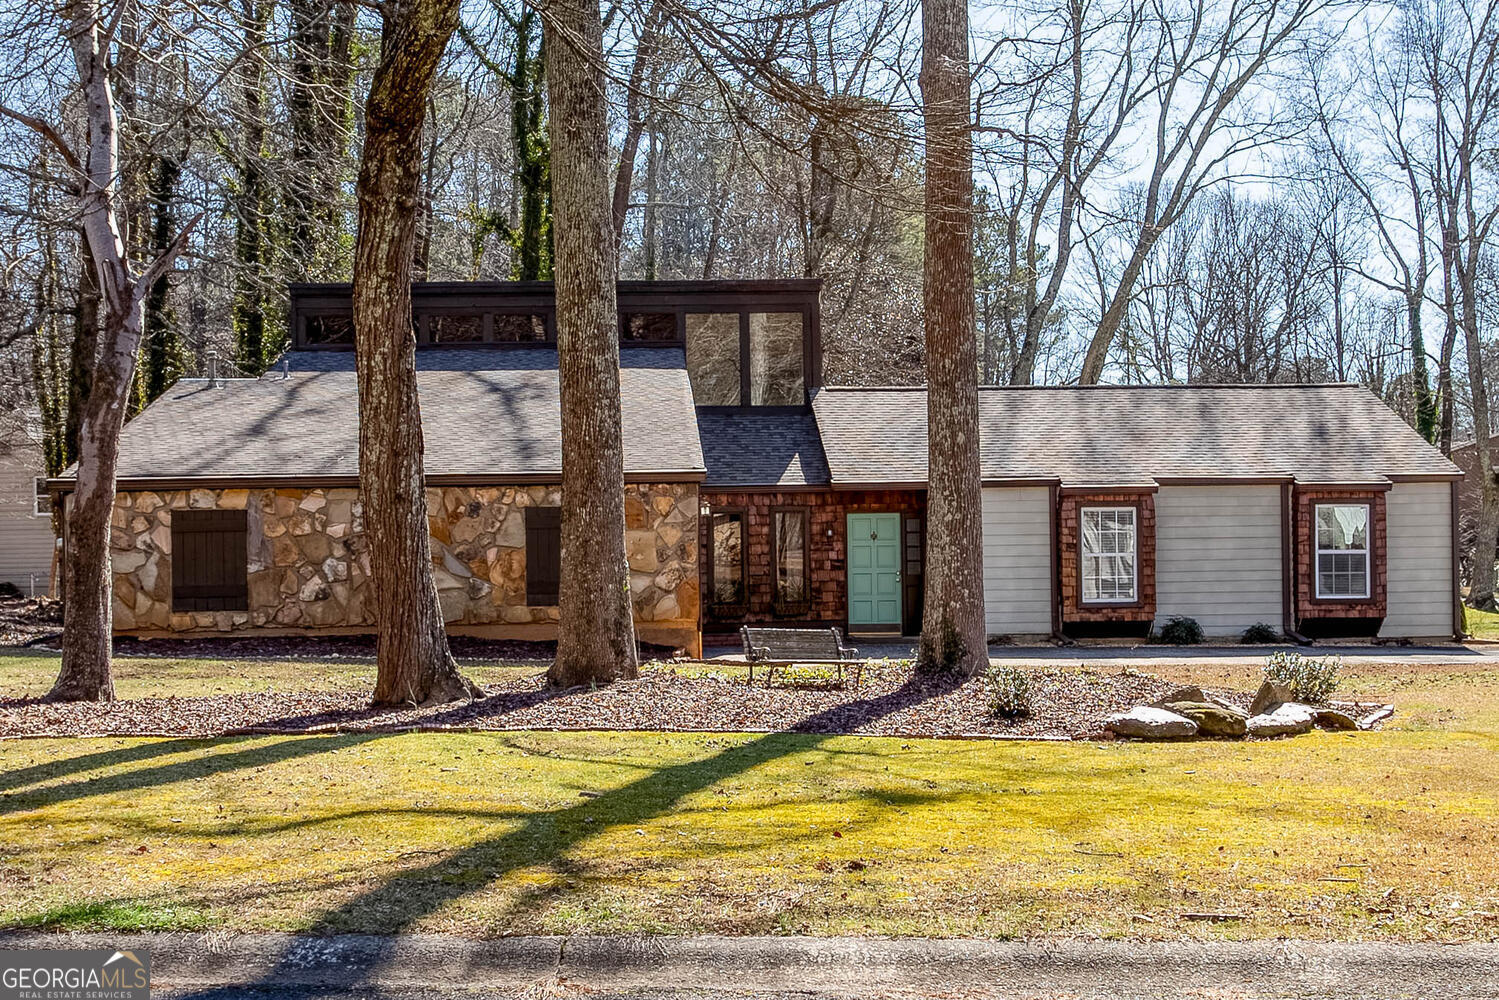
[[952, 634], [414, 665], [87, 626], [596, 637], [635, 118]]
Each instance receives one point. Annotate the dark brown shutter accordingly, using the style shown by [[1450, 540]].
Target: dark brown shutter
[[209, 555], [543, 554]]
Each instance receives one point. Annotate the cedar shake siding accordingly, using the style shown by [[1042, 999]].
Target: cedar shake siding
[[1102, 618], [1319, 616], [827, 553]]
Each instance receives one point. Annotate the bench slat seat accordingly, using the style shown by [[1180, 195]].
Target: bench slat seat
[[770, 647]]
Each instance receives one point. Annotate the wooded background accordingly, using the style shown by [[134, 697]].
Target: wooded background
[[1248, 192]]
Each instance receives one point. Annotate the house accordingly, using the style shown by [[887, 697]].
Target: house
[[26, 539], [755, 494]]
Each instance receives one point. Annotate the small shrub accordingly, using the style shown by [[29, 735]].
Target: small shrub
[[1309, 680], [1009, 692], [1180, 630], [1260, 633]]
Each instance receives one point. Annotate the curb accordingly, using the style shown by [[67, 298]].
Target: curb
[[181, 960]]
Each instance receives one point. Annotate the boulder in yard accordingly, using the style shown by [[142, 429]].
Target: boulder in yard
[[1191, 693], [1287, 719], [1270, 694], [1211, 719], [1331, 718], [1145, 722]]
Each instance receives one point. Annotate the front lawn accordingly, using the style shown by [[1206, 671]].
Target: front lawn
[[1368, 835], [1482, 624]]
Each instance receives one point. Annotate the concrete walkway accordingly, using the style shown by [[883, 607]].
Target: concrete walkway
[[417, 965]]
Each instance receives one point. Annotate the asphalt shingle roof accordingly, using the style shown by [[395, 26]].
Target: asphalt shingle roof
[[1122, 435], [762, 449], [484, 412]]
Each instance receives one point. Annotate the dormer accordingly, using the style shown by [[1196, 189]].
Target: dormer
[[747, 343]]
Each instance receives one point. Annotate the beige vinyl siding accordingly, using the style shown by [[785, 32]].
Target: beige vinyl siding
[[25, 540], [1218, 556], [1418, 517], [1017, 560]]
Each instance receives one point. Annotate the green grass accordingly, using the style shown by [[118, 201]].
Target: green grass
[[1482, 624], [1350, 836]]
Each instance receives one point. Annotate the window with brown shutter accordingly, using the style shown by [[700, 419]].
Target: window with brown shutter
[[209, 553], [543, 554]]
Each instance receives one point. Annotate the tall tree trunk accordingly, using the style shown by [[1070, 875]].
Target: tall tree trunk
[[85, 350], [248, 311], [1107, 330], [1426, 401], [163, 354], [414, 665], [596, 638], [87, 624], [319, 111], [1481, 588], [635, 117], [952, 633]]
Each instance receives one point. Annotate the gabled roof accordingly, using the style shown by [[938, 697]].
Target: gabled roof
[[1127, 435], [746, 449], [485, 413]]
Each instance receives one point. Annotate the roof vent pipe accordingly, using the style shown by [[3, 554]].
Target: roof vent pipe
[[285, 368], [213, 369]]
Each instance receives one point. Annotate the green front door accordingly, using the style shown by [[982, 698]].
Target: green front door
[[874, 571]]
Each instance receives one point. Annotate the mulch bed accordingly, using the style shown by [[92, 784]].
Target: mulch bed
[[25, 620], [888, 702]]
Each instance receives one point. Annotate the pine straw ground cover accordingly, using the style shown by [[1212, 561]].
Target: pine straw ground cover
[[1387, 834], [208, 698]]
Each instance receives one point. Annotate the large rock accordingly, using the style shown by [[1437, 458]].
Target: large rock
[[1287, 719], [1331, 718], [1270, 694], [1191, 693], [1211, 719], [1146, 722]]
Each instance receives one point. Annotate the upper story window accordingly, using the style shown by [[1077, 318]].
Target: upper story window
[[43, 498], [647, 326], [747, 358], [748, 343], [1107, 548], [1342, 550]]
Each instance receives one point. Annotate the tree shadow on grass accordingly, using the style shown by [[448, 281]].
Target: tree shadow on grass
[[66, 766], [547, 837], [192, 769]]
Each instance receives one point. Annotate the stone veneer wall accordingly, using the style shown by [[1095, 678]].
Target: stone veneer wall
[[309, 561]]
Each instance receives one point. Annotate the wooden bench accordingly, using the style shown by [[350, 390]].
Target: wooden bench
[[776, 647]]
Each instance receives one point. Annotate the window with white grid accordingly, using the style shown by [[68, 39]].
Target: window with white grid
[[1342, 550], [1108, 555]]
